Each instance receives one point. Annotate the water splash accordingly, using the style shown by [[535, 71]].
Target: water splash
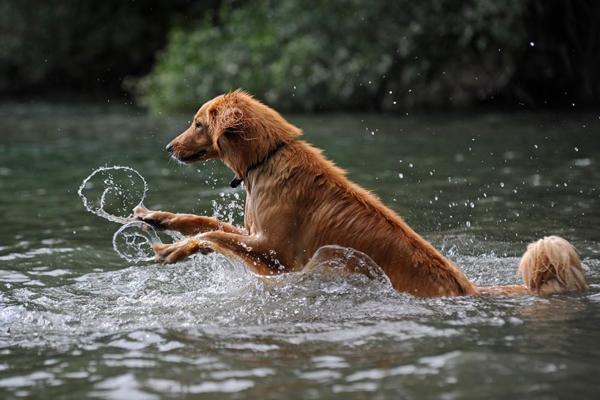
[[133, 241], [112, 193]]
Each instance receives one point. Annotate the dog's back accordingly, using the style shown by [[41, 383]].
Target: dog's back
[[331, 210], [298, 201]]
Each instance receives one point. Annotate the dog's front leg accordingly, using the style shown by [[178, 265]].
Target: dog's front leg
[[187, 224], [252, 250]]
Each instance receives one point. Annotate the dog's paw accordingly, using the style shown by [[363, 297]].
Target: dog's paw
[[158, 219], [172, 253]]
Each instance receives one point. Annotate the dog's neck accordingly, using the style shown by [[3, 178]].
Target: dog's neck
[[238, 179]]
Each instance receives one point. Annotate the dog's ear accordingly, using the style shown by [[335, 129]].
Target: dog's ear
[[224, 120]]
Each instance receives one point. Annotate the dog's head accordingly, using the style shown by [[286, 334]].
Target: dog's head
[[235, 128]]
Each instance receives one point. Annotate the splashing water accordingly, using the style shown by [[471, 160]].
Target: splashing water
[[133, 241], [112, 193], [75, 324]]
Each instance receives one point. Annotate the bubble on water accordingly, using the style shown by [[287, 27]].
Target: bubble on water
[[341, 263], [113, 192]]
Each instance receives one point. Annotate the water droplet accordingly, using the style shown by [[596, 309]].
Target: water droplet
[[501, 184], [401, 175], [532, 44]]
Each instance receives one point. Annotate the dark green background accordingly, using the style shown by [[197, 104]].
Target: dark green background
[[305, 55]]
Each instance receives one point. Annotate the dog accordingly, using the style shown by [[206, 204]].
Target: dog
[[297, 201]]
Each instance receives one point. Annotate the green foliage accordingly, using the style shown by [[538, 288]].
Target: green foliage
[[78, 45], [306, 54], [342, 54]]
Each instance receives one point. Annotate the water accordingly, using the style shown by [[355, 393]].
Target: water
[[113, 193], [78, 321]]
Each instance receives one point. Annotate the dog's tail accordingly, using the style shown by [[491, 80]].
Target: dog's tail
[[550, 265]]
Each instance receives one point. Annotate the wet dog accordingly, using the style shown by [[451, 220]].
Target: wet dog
[[297, 201]]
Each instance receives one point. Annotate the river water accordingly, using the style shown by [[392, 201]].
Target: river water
[[77, 321]]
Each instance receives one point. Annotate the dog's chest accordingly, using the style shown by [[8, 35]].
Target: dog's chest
[[260, 210]]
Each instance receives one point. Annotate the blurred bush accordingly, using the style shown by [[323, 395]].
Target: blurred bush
[[343, 54], [82, 46], [306, 54], [563, 66]]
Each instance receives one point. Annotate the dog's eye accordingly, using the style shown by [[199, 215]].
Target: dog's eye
[[199, 125]]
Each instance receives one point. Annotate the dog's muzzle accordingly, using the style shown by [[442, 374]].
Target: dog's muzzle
[[192, 157]]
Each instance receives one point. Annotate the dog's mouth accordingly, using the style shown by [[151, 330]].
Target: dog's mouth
[[197, 156]]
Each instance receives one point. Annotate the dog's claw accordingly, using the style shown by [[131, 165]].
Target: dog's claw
[[157, 219], [140, 211], [172, 253]]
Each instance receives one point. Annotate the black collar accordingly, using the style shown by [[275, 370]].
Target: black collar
[[236, 181]]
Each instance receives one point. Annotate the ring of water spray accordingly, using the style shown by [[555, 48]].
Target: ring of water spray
[[137, 237], [133, 241], [100, 210]]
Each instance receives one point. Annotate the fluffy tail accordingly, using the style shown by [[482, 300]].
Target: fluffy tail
[[552, 265]]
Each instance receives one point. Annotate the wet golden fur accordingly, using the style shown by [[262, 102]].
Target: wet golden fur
[[551, 265], [298, 201]]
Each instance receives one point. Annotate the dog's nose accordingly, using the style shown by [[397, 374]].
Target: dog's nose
[[169, 148]]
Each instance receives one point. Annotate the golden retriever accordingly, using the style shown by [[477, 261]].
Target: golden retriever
[[298, 201]]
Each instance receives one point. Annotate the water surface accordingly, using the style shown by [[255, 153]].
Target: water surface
[[77, 321]]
